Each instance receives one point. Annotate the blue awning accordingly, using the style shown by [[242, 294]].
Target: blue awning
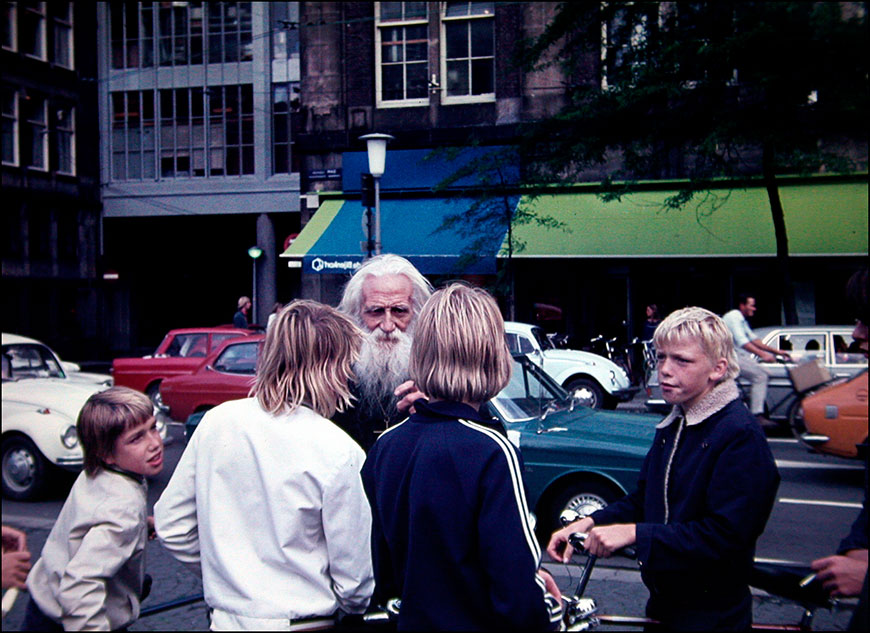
[[334, 240]]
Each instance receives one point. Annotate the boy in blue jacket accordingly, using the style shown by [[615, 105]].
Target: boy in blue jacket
[[705, 492], [451, 534]]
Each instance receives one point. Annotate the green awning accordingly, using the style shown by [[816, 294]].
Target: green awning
[[821, 219]]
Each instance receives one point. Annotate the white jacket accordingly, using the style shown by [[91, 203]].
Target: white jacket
[[273, 509], [89, 576]]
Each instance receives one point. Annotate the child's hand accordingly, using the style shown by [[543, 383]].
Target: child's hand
[[152, 532]]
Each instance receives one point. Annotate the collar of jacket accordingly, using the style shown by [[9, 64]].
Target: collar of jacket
[[446, 410], [721, 395], [139, 479]]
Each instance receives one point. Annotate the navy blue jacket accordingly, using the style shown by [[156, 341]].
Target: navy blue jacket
[[722, 487], [450, 525]]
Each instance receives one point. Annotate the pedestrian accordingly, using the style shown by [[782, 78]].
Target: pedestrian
[[451, 534], [274, 313], [651, 323], [240, 318], [16, 558], [747, 343], [705, 491], [267, 499], [91, 575], [384, 297]]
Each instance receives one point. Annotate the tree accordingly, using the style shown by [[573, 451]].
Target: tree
[[712, 92]]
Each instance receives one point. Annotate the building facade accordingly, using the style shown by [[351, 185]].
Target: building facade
[[50, 176], [197, 160]]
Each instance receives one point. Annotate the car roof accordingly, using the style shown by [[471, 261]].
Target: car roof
[[16, 339], [215, 329], [813, 329]]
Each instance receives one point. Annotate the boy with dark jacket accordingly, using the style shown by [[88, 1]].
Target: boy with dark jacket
[[705, 492]]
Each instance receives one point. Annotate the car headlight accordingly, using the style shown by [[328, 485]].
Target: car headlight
[[70, 438]]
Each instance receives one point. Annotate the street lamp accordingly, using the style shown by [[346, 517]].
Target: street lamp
[[376, 144], [254, 253]]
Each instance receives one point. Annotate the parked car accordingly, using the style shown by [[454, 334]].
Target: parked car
[[595, 381], [833, 419], [180, 352], [575, 457], [31, 358], [226, 374], [41, 403], [827, 343]]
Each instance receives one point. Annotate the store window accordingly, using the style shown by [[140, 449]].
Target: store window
[[402, 53], [468, 51]]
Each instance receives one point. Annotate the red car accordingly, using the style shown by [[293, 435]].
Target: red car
[[180, 352], [227, 374]]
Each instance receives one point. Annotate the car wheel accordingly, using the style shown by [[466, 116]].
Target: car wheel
[[153, 392], [24, 469], [588, 392], [580, 496], [796, 419]]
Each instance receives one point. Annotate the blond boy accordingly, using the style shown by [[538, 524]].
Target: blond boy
[[91, 572], [706, 488]]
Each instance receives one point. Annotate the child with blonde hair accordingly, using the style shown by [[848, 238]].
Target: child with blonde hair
[[451, 534]]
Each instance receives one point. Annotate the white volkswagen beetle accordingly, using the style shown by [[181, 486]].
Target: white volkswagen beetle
[[41, 402], [595, 381]]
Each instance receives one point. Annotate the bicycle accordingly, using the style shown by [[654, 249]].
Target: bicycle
[[794, 584]]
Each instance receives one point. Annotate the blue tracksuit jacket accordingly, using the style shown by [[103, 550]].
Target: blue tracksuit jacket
[[450, 529]]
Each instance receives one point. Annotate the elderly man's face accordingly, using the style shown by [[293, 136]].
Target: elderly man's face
[[387, 303]]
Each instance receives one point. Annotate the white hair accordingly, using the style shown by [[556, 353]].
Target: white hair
[[387, 264]]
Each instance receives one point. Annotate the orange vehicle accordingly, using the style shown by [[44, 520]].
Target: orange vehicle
[[833, 419]]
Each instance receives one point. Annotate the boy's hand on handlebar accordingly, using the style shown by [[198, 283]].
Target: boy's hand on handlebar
[[842, 575], [559, 548], [550, 584], [607, 539]]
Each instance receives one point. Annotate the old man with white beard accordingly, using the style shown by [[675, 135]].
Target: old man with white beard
[[384, 296]]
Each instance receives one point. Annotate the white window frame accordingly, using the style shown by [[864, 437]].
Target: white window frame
[[639, 33], [12, 20], [43, 54], [68, 26], [36, 124], [446, 99], [14, 116], [69, 131], [395, 103]]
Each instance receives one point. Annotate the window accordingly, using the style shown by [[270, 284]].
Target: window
[[201, 133], [133, 139], [64, 131], [62, 30], [10, 126], [230, 38], [402, 54], [34, 142], [468, 47], [238, 359], [285, 100], [31, 27], [625, 28], [10, 20]]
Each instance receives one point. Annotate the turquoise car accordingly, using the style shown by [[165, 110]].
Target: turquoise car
[[575, 457]]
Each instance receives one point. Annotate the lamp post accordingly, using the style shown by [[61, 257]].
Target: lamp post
[[254, 253], [376, 145]]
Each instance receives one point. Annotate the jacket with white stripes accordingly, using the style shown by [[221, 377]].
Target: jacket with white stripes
[[451, 534]]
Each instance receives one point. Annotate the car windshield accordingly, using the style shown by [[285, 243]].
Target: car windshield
[[238, 359], [30, 361], [542, 338], [529, 394]]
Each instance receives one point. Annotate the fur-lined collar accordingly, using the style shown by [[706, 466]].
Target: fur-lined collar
[[719, 396]]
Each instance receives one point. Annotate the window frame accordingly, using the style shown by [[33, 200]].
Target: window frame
[[380, 24], [447, 99], [66, 26], [11, 9], [36, 124], [70, 132]]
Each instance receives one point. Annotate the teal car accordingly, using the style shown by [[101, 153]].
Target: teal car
[[574, 457]]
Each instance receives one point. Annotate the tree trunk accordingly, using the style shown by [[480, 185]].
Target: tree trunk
[[776, 212]]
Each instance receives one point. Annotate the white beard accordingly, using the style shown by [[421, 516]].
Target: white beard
[[382, 366]]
